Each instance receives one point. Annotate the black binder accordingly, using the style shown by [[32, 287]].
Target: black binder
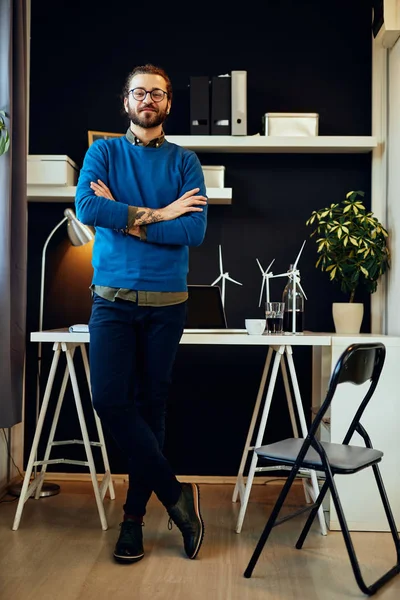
[[200, 105], [221, 102]]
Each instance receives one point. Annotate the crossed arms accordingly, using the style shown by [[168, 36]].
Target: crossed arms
[[188, 202]]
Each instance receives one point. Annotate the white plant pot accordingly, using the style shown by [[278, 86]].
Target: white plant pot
[[347, 316]]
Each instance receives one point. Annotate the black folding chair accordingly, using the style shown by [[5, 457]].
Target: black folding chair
[[358, 364]]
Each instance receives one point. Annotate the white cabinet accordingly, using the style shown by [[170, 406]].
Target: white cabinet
[[359, 493], [51, 170]]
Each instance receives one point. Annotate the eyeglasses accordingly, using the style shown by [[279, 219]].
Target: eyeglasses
[[140, 94]]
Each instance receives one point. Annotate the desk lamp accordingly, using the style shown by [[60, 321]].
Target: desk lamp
[[79, 234]]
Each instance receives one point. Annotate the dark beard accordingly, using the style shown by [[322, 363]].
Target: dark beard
[[147, 123]]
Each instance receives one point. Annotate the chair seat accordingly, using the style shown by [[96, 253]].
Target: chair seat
[[342, 458]]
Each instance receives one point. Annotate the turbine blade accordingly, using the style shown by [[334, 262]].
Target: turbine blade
[[279, 275], [298, 256], [261, 269], [233, 280], [270, 265], [301, 289], [216, 281]]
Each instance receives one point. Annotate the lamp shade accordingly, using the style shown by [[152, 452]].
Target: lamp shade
[[78, 233]]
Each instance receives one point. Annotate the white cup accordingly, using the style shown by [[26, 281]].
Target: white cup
[[255, 326]]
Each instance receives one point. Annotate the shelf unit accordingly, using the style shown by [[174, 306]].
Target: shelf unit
[[276, 144], [228, 144], [63, 193]]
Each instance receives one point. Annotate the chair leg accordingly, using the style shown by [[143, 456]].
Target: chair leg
[[371, 589], [346, 535], [312, 515], [388, 510], [270, 523]]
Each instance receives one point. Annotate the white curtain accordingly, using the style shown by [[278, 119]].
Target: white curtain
[[13, 209]]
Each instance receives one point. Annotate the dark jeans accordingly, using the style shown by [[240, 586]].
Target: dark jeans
[[132, 352]]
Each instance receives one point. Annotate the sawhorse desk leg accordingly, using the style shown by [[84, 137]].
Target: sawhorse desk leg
[[35, 486], [243, 489]]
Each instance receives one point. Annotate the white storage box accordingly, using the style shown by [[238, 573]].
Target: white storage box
[[291, 124], [51, 170], [214, 177]]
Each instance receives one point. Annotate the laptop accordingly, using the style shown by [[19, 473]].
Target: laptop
[[206, 312]]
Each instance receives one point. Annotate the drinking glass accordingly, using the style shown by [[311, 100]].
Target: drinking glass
[[274, 315]]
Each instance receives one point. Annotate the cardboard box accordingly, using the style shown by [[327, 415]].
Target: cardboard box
[[51, 170], [291, 124], [214, 176]]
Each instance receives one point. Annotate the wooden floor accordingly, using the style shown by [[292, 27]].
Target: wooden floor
[[61, 553]]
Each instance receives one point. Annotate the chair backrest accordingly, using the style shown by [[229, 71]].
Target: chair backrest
[[358, 364]]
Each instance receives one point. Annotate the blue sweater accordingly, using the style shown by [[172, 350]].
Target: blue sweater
[[140, 176]]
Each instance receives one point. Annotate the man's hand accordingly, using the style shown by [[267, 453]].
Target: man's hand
[[189, 202], [100, 189], [135, 230]]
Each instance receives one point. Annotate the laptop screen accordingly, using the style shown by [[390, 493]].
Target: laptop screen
[[205, 309]]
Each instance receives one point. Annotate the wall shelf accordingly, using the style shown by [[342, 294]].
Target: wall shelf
[[277, 144], [229, 143], [61, 193]]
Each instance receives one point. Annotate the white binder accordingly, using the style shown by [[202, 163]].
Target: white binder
[[239, 102]]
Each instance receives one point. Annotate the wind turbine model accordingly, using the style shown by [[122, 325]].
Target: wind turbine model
[[266, 276], [294, 276], [224, 276]]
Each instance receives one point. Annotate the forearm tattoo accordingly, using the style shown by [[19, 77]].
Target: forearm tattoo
[[146, 216]]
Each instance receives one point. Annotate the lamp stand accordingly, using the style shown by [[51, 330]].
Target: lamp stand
[[48, 489]]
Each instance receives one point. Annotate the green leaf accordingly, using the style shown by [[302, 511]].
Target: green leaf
[[4, 143]]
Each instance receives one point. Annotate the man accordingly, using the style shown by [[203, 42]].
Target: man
[[146, 199]]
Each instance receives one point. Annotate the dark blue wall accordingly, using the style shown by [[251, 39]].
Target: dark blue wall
[[300, 57]]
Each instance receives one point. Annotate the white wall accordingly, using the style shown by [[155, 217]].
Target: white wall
[[393, 201]]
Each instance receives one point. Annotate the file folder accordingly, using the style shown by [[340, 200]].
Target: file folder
[[200, 105], [239, 102], [221, 109]]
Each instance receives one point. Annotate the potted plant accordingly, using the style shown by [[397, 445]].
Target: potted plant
[[4, 135], [353, 249]]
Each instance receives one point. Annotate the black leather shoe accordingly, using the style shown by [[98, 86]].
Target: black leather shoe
[[129, 547], [186, 516]]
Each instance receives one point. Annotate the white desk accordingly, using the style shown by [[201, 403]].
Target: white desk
[[326, 350], [280, 345]]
